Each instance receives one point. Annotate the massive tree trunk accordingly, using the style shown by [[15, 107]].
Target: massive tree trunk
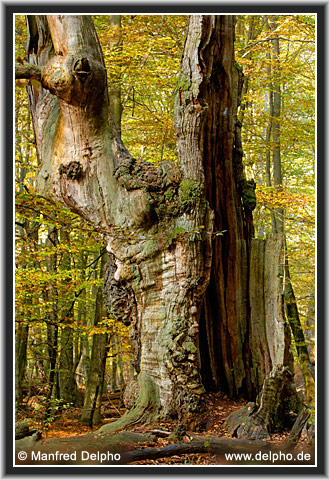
[[183, 269]]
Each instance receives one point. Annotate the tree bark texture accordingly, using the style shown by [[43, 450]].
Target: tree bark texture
[[158, 223], [278, 217], [243, 298], [274, 411]]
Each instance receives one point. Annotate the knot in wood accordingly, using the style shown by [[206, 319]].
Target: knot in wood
[[73, 170], [82, 67]]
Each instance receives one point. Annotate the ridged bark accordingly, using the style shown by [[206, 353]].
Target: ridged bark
[[243, 302]]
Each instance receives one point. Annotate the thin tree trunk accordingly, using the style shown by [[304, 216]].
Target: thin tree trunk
[[20, 362], [91, 412], [279, 227], [84, 365], [113, 377], [269, 146], [276, 123], [292, 314], [67, 384], [52, 332], [24, 229]]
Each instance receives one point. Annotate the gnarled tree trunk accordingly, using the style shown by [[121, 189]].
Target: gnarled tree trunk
[[185, 288]]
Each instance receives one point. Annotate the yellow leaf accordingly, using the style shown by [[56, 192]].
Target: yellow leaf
[[35, 83]]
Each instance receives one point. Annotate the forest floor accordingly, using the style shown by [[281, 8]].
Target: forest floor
[[219, 406]]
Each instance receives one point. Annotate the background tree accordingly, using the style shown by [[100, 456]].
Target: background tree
[[276, 47]]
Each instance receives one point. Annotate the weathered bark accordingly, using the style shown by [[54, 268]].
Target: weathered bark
[[298, 427], [28, 71], [269, 335], [78, 168], [234, 316], [274, 411], [158, 222], [116, 42]]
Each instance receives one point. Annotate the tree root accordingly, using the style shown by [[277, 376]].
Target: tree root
[[145, 409], [276, 410], [298, 427]]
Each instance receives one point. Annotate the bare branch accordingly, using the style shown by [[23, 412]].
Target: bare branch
[[27, 70]]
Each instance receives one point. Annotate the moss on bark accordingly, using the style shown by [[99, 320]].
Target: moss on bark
[[145, 410]]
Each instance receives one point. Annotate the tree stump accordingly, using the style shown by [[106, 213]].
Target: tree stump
[[277, 407], [298, 427]]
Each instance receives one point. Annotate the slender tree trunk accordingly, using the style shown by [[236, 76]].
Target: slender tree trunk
[[292, 314], [276, 123], [278, 222], [67, 383], [20, 362], [113, 377], [52, 330], [84, 364], [52, 340], [91, 413], [269, 130], [24, 229]]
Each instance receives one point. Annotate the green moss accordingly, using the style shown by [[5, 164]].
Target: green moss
[[151, 247], [170, 195], [145, 410], [189, 193], [238, 66], [183, 84], [136, 274], [176, 233], [248, 194]]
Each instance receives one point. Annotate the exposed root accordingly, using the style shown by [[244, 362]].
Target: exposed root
[[145, 409], [276, 410]]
